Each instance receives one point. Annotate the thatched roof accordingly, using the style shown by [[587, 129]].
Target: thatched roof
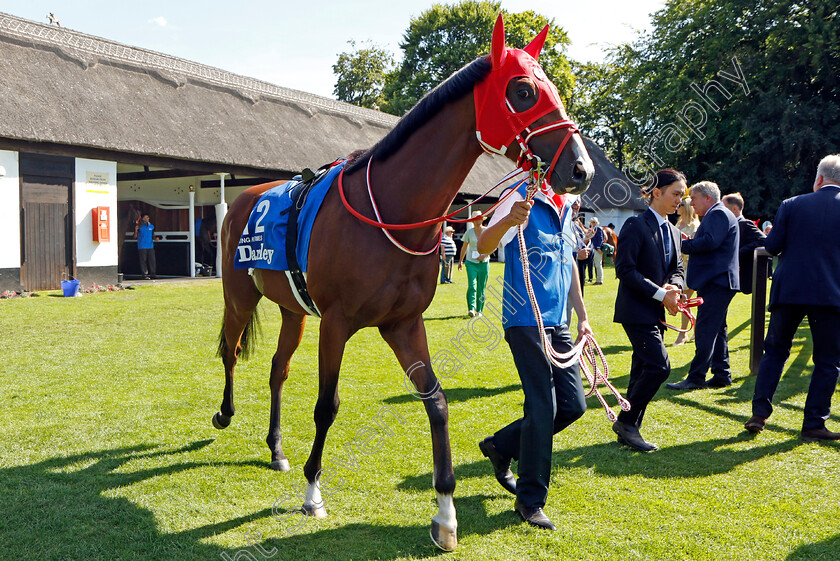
[[63, 87]]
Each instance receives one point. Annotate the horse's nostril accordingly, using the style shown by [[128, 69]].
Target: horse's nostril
[[578, 172]]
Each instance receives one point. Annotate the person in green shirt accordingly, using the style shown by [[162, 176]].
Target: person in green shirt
[[478, 266]]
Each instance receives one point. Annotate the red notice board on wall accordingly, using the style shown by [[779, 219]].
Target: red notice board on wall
[[101, 224]]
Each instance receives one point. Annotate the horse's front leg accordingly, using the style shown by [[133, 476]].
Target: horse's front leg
[[408, 341], [333, 337]]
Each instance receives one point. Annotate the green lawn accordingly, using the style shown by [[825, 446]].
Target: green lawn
[[107, 451]]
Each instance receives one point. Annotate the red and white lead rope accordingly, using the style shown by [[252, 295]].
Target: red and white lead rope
[[385, 227], [386, 232], [594, 367]]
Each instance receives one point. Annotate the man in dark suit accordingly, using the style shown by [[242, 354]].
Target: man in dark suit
[[750, 238], [805, 283], [713, 273], [650, 273]]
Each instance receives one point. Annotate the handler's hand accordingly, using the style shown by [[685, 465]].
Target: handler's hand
[[519, 212], [671, 301], [583, 254], [583, 330]]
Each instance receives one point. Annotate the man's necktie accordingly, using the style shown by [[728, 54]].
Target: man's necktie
[[666, 239]]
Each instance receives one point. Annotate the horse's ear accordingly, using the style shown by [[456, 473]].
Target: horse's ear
[[534, 48], [498, 51]]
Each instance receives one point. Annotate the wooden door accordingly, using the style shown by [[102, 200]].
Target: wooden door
[[46, 228]]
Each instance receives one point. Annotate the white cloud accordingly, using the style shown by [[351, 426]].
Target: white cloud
[[160, 20]]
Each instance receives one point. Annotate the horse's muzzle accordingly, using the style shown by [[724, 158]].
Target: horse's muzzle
[[573, 177], [575, 180]]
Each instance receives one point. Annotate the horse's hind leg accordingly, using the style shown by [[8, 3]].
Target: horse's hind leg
[[291, 333], [408, 341], [330, 351], [236, 336]]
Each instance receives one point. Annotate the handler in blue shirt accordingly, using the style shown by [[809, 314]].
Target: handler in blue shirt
[[554, 397], [144, 233]]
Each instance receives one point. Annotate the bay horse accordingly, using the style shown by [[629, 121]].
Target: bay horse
[[357, 278]]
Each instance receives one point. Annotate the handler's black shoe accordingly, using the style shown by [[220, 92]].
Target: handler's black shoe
[[716, 382], [501, 465], [534, 516], [686, 385], [630, 436]]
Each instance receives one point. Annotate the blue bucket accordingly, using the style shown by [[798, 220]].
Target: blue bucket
[[70, 287]]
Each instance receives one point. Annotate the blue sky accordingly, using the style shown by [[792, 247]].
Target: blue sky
[[293, 43]]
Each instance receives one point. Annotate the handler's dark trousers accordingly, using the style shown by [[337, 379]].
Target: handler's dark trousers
[[148, 263], [710, 340], [649, 368], [554, 399], [825, 331]]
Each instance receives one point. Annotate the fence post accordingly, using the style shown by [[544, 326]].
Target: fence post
[[761, 264]]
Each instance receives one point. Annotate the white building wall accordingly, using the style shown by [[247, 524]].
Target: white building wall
[[617, 216], [89, 194], [10, 211]]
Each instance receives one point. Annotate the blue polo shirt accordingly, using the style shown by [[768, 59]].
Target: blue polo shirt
[[549, 240], [145, 236]]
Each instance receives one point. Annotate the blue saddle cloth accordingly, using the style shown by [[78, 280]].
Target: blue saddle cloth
[[262, 244]]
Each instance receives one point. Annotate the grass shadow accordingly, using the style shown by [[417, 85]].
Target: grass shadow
[[60, 509], [385, 541], [455, 395], [691, 460], [826, 549], [736, 330], [444, 318]]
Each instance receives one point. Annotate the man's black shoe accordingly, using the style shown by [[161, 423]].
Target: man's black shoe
[[533, 516], [685, 385], [501, 465], [629, 436], [718, 383], [815, 435]]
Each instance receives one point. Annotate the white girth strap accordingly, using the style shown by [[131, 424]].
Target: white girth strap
[[312, 312]]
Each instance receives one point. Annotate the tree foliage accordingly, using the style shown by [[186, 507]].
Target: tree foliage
[[444, 38], [600, 104], [360, 75], [438, 42], [765, 143]]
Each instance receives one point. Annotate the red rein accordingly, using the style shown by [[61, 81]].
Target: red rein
[[525, 163], [684, 307]]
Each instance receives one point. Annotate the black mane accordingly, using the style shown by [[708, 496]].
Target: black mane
[[454, 87]]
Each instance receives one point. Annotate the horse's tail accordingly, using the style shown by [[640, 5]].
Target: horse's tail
[[247, 341]]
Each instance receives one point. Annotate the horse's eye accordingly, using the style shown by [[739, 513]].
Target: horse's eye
[[524, 93]]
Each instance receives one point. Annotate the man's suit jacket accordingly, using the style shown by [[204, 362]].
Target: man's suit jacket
[[714, 250], [641, 269], [751, 238], [805, 234]]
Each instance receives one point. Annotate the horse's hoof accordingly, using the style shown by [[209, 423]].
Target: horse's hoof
[[315, 511], [221, 421], [281, 465], [443, 537]]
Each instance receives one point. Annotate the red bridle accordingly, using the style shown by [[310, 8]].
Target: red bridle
[[498, 124]]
